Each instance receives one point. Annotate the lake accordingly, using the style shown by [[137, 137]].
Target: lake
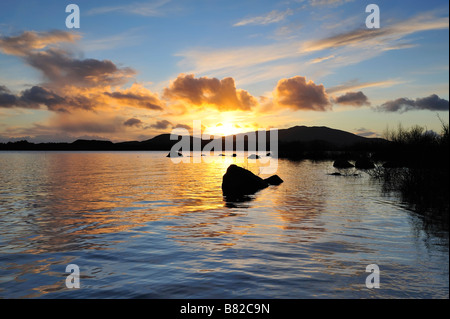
[[140, 226]]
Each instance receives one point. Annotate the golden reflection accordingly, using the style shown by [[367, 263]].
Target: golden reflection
[[92, 194]]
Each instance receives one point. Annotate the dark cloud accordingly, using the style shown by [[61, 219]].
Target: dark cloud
[[353, 99], [133, 122], [6, 98], [71, 82], [297, 94], [161, 125], [61, 69], [220, 94], [431, 103], [59, 66], [148, 100], [38, 96]]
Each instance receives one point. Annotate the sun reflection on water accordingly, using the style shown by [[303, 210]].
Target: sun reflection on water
[[115, 212]]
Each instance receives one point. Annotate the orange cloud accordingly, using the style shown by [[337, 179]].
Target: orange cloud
[[210, 92], [297, 94], [71, 83]]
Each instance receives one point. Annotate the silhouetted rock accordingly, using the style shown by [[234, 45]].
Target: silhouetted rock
[[174, 154], [341, 163], [254, 156], [234, 155], [364, 163], [274, 180], [238, 181]]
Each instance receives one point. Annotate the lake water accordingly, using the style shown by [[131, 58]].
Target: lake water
[[139, 226]]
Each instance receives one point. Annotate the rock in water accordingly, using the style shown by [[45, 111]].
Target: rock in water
[[174, 154], [238, 181], [274, 180], [254, 156], [340, 163]]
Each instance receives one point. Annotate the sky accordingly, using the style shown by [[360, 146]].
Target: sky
[[137, 69]]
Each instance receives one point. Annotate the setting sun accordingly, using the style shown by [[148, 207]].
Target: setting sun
[[224, 129]]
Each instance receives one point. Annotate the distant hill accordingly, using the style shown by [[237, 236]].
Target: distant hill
[[325, 137], [306, 134]]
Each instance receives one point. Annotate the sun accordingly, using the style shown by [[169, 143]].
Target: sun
[[224, 129]]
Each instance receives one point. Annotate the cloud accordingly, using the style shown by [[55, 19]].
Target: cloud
[[185, 126], [355, 85], [366, 132], [137, 96], [353, 99], [271, 17], [147, 9], [71, 82], [29, 41], [336, 3], [209, 92], [382, 38], [161, 125], [204, 60], [297, 94], [7, 99], [61, 69], [401, 105], [37, 96], [253, 63], [320, 59], [133, 122]]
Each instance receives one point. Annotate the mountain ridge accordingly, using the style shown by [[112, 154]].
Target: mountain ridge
[[323, 135]]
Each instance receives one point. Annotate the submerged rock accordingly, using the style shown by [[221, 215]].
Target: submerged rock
[[274, 180], [238, 181], [174, 154], [341, 163]]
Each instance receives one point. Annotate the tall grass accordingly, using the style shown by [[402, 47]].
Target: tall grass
[[423, 181]]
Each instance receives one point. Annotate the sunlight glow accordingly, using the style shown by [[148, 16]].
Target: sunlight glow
[[224, 129]]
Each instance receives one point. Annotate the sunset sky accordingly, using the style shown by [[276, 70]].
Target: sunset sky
[[136, 69]]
